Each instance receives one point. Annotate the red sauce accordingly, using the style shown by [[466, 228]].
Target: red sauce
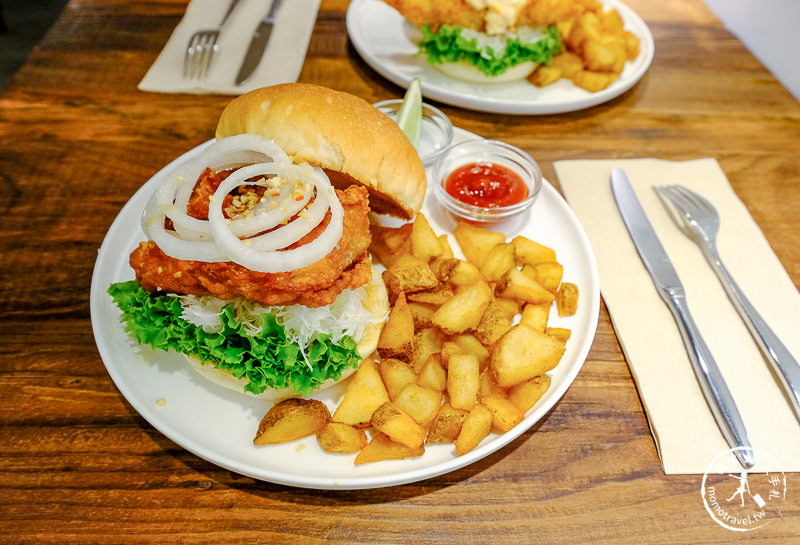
[[486, 184]]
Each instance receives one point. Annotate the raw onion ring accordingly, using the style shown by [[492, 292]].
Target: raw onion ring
[[273, 261]]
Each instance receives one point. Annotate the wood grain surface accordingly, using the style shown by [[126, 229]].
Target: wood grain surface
[[79, 465]]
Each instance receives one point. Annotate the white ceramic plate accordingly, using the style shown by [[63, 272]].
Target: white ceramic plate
[[387, 43], [218, 425]]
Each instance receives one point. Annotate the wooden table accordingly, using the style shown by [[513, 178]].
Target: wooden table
[[79, 465]]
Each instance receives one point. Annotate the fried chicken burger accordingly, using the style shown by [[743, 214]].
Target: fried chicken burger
[[255, 265]]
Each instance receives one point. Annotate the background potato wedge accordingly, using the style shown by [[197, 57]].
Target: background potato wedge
[[529, 252], [425, 245], [292, 419]]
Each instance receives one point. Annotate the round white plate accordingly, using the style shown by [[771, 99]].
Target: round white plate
[[219, 425], [387, 43]]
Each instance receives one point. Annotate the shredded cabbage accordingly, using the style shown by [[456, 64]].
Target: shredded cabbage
[[346, 316]]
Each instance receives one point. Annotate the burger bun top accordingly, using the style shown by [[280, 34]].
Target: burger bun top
[[342, 133]]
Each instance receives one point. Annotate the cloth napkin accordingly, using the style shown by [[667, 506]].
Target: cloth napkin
[[281, 63], [686, 435]]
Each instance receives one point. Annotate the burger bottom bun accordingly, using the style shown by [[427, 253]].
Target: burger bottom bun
[[376, 301], [464, 71]]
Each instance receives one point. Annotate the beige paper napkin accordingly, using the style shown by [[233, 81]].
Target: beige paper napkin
[[685, 432], [281, 63]]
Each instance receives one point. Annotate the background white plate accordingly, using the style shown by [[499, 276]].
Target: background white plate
[[387, 43], [218, 425]]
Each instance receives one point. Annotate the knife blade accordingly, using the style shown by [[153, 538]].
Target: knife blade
[[669, 286], [258, 43]]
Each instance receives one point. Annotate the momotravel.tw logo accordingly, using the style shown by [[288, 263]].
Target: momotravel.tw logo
[[744, 501]]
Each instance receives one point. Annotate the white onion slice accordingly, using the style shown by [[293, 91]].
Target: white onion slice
[[234, 151], [272, 261], [172, 245], [219, 239]]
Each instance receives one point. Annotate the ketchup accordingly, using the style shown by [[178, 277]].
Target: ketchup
[[486, 184]]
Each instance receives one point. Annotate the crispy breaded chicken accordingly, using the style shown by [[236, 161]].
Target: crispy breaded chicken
[[463, 13], [346, 266]]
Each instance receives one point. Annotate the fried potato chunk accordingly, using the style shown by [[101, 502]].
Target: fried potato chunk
[[292, 419]]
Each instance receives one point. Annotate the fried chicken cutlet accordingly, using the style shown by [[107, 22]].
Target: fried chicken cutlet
[[346, 266]]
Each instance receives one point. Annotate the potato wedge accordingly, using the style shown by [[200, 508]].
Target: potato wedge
[[420, 403], [523, 353], [364, 393], [518, 285], [433, 374], [477, 425], [396, 375], [436, 295], [292, 419], [398, 425], [388, 243], [425, 245], [475, 242], [547, 273], [567, 299], [505, 415], [471, 345], [561, 333], [383, 448], [397, 337], [529, 252], [494, 323], [408, 274], [456, 272], [447, 425], [426, 342], [464, 310], [422, 313], [488, 386], [463, 380], [447, 250], [525, 394], [497, 262], [535, 316], [339, 438]]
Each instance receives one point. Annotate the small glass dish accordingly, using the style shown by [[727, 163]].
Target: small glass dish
[[436, 133], [486, 151]]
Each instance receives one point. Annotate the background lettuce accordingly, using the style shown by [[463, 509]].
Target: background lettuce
[[452, 44]]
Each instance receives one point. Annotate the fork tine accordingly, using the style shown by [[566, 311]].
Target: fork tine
[[698, 200]]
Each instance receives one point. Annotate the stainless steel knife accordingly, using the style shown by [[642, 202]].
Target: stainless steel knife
[[671, 290], [258, 43]]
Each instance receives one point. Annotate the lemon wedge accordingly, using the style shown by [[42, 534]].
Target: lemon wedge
[[410, 115]]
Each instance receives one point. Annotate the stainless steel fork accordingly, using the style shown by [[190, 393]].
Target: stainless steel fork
[[202, 47], [700, 221]]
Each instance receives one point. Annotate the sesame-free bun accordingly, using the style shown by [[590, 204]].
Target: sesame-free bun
[[376, 301], [342, 133]]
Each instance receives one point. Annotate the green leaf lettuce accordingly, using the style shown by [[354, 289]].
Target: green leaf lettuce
[[454, 44], [266, 360]]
